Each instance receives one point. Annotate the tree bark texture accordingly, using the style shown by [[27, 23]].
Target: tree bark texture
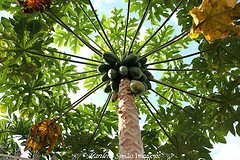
[[130, 142]]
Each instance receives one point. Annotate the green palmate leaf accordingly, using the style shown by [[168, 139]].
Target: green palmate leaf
[[168, 4], [231, 46], [9, 5], [34, 27], [6, 24], [83, 28], [20, 27], [75, 46], [157, 9]]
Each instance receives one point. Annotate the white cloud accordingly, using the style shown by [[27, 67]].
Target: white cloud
[[84, 52], [174, 19], [5, 14], [100, 5], [142, 32], [97, 98], [101, 2], [227, 151]]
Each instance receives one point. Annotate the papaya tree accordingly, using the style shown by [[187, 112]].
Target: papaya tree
[[197, 102]]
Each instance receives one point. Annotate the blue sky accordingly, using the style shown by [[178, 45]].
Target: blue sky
[[229, 151]]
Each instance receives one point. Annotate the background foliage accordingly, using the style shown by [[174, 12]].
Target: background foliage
[[22, 74]]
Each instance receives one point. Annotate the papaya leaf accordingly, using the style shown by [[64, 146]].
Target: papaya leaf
[[49, 133], [215, 19]]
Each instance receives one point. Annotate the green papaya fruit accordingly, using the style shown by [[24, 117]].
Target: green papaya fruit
[[147, 73], [105, 77], [115, 84], [130, 60], [107, 88], [134, 72], [110, 58], [123, 70], [137, 87], [112, 73], [103, 68], [143, 78], [142, 60]]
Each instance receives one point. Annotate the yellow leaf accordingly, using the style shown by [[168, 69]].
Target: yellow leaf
[[2, 44], [3, 108], [214, 18], [48, 132], [30, 144], [232, 3]]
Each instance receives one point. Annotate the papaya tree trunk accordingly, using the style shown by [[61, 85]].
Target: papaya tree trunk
[[130, 142]]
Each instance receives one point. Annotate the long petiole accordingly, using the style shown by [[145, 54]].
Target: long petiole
[[153, 107], [149, 39], [108, 41], [80, 100], [66, 27], [79, 73], [174, 59], [70, 30], [93, 41], [55, 85], [173, 103], [67, 54], [198, 69], [140, 24], [126, 27], [165, 84], [170, 139], [102, 114], [95, 27], [175, 39], [69, 60]]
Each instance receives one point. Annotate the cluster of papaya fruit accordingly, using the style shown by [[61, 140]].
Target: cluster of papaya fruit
[[31, 6], [131, 65]]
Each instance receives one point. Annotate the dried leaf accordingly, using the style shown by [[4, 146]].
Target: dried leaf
[[42, 134], [30, 144], [214, 18], [31, 6], [232, 3]]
